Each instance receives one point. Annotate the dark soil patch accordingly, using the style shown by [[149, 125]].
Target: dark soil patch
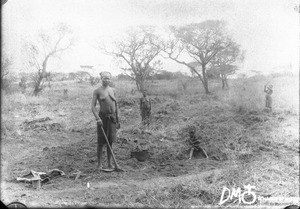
[[81, 156]]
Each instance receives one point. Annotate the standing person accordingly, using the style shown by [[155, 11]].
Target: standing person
[[145, 108], [107, 117], [269, 92]]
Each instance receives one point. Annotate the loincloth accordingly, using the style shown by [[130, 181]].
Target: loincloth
[[109, 126]]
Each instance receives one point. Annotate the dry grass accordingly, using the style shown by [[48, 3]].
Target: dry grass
[[248, 95], [259, 147], [243, 136]]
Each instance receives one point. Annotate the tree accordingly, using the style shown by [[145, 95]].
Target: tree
[[94, 80], [5, 65], [200, 42], [137, 52], [179, 74], [193, 73], [46, 47], [123, 77], [71, 76], [23, 84], [164, 75], [82, 76], [225, 63]]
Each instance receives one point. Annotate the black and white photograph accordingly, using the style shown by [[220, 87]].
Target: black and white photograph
[[150, 104]]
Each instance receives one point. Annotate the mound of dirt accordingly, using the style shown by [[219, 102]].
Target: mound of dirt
[[126, 102], [158, 99], [165, 115], [173, 106], [41, 124], [140, 155], [251, 118], [40, 120]]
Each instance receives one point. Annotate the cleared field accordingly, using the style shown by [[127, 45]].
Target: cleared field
[[245, 145]]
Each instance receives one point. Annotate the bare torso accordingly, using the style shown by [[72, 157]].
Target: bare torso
[[106, 98], [145, 103], [269, 91]]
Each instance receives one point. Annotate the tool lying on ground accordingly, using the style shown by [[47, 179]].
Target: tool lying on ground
[[117, 168], [44, 177]]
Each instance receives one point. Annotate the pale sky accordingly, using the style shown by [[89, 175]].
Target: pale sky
[[267, 29]]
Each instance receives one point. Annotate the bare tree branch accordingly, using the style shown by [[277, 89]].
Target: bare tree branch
[[46, 47], [200, 41], [137, 51]]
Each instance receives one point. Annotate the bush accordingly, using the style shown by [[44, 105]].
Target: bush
[[6, 85], [94, 80]]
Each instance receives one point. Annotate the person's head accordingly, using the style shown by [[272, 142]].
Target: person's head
[[192, 131], [105, 78], [144, 93]]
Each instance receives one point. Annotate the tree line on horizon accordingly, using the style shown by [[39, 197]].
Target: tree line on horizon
[[205, 48]]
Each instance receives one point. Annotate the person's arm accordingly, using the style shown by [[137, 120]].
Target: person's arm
[[117, 115], [93, 107], [271, 91], [113, 97], [117, 109], [265, 88], [140, 104]]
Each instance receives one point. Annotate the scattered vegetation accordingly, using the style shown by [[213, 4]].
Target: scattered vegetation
[[54, 127], [245, 144], [46, 47]]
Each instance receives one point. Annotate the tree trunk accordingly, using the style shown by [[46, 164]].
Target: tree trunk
[[223, 81], [226, 81], [205, 81], [140, 84], [137, 84], [37, 86]]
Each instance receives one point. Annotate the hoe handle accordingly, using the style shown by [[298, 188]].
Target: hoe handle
[[111, 151]]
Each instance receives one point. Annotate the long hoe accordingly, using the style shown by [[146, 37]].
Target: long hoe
[[117, 168]]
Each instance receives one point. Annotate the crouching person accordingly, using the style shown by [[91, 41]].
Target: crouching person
[[195, 143]]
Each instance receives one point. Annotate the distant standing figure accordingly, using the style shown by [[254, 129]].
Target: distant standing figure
[[269, 92], [107, 117], [145, 107], [66, 92]]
